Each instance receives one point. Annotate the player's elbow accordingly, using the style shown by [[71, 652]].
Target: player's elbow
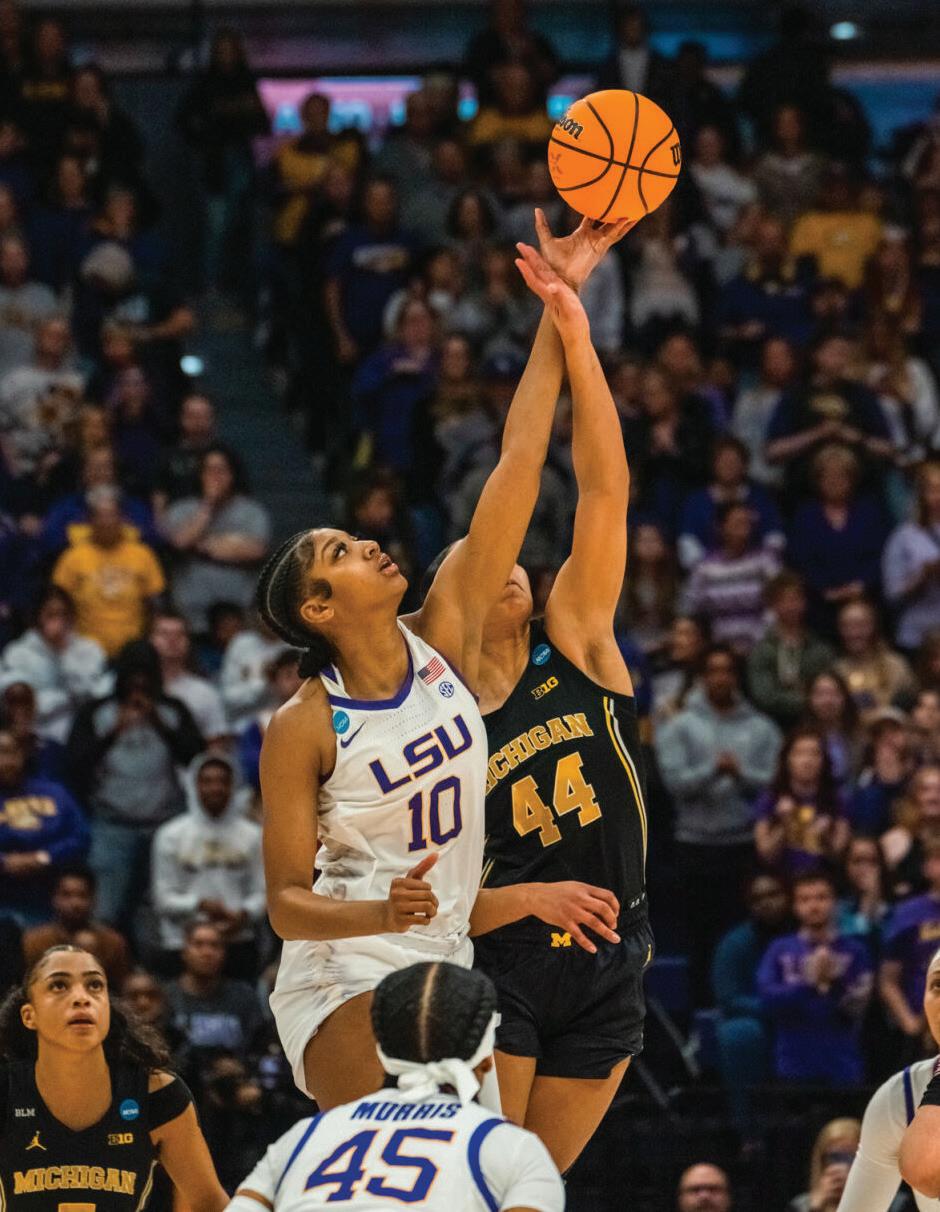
[[281, 917]]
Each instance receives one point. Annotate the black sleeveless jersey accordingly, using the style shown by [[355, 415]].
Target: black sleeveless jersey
[[108, 1167], [566, 788]]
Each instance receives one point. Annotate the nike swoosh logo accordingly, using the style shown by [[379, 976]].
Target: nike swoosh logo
[[345, 742]]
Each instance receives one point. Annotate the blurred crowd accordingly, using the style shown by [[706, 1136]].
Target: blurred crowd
[[772, 338]]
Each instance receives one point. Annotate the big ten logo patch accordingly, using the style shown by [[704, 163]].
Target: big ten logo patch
[[546, 688], [120, 1138]]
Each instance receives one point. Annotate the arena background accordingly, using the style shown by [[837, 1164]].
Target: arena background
[[188, 248]]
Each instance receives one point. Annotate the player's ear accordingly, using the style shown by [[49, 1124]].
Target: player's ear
[[28, 1016], [317, 609]]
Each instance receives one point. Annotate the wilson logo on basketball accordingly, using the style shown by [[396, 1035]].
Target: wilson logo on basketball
[[676, 154], [571, 127]]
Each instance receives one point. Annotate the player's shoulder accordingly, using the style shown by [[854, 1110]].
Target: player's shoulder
[[309, 705]]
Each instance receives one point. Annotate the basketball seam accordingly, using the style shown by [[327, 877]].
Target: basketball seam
[[623, 174], [608, 160], [639, 180], [636, 168]]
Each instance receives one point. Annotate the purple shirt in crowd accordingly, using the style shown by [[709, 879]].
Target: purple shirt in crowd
[[912, 938], [802, 846], [817, 1034]]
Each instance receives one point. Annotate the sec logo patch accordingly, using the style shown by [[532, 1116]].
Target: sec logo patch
[[447, 689]]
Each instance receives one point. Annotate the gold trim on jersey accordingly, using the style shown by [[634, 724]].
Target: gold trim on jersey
[[613, 728], [148, 1187]]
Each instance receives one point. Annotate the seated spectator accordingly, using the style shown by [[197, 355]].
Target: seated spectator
[[169, 635], [111, 579], [375, 510], [800, 820], [679, 666], [911, 563], [724, 190], [649, 598], [755, 406], [894, 303], [698, 529], [391, 386], [41, 827], [147, 998], [24, 304], [704, 1188], [498, 318], [905, 387], [58, 231], [74, 924], [788, 175], [714, 755], [835, 539], [516, 113], [45, 758], [910, 944], [39, 398], [837, 235], [727, 587], [518, 223], [873, 673], [243, 679], [118, 144], [866, 904], [883, 779], [284, 682], [662, 294], [827, 408], [220, 538], [472, 229], [367, 265], [831, 709], [509, 38], [179, 476], [226, 621], [743, 1034], [925, 728], [768, 299], [788, 656], [211, 1011], [63, 668], [815, 986], [15, 171], [833, 1154], [136, 427], [917, 817], [44, 91], [207, 862], [123, 756], [67, 520]]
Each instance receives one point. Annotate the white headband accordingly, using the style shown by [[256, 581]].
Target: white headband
[[421, 1079]]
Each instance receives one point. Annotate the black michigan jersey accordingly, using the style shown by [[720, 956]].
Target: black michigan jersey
[[565, 790], [108, 1167]]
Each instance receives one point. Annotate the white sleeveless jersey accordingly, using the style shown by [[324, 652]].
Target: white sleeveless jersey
[[409, 781], [381, 1152], [874, 1177]]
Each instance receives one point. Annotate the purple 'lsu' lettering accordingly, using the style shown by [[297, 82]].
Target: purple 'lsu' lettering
[[425, 754]]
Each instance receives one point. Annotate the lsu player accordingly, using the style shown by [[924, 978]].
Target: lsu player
[[427, 1142], [381, 756], [565, 792]]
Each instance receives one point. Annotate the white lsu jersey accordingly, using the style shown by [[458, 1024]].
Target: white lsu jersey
[[874, 1177], [409, 781], [383, 1152]]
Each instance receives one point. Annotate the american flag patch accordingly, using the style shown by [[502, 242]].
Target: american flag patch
[[432, 670]]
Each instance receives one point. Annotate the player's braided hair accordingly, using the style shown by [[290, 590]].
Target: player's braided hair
[[127, 1040], [432, 1011], [282, 587]]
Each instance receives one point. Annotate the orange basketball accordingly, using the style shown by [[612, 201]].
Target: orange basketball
[[614, 155]]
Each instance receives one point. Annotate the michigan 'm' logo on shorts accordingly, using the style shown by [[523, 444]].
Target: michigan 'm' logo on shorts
[[561, 940]]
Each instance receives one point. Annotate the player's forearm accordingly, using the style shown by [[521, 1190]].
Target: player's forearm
[[531, 415], [297, 913], [600, 462], [495, 907]]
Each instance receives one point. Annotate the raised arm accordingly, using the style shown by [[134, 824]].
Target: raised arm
[[476, 570]]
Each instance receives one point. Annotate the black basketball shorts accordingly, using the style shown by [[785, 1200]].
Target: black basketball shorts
[[578, 1014]]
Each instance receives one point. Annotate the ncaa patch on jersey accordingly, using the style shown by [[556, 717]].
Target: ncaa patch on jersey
[[541, 654], [129, 1109], [447, 689], [340, 722]]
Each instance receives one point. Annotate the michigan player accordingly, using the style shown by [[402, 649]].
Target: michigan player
[[87, 1107], [381, 755], [565, 792], [427, 1142]]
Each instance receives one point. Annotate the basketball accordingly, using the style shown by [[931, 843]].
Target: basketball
[[614, 155]]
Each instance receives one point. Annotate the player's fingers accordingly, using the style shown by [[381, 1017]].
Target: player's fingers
[[601, 928], [582, 940], [424, 866], [542, 229], [535, 261], [601, 910], [605, 895]]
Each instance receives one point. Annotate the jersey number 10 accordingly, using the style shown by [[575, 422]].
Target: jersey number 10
[[427, 818], [571, 793]]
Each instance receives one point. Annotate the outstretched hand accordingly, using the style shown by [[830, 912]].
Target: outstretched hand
[[564, 306], [574, 257]]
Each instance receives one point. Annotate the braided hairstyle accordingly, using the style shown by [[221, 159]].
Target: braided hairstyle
[[432, 1011], [127, 1040], [282, 588]]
